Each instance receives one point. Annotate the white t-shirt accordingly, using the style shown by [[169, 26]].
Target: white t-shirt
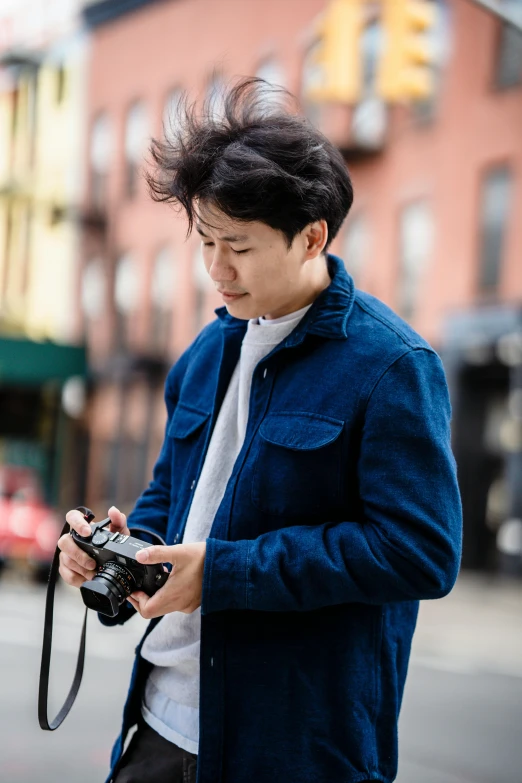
[[171, 700]]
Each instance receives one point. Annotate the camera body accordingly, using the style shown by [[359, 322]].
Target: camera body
[[119, 573]]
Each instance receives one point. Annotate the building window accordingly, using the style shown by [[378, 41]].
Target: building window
[[162, 294], [32, 85], [126, 297], [416, 234], [355, 245], [93, 289], [215, 96], [272, 72], [202, 285], [509, 58], [496, 192], [311, 80], [170, 113], [100, 156], [136, 137], [60, 84]]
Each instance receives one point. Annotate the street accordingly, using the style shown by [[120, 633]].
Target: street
[[460, 721]]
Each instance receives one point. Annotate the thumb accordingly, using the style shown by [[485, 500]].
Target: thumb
[[155, 554], [118, 521]]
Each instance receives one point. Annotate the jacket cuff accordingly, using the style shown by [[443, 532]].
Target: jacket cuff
[[225, 576]]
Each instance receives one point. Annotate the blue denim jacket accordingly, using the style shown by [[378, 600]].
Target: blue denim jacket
[[342, 511]]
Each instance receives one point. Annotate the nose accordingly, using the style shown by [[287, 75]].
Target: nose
[[220, 269]]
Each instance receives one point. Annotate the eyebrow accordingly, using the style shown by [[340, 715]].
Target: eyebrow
[[235, 238]]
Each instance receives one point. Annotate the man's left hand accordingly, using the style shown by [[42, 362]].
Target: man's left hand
[[182, 590]]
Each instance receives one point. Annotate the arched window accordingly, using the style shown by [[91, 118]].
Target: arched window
[[100, 153], [311, 80], [416, 235], [202, 285], [215, 95], [272, 72], [509, 54], [355, 245], [93, 289], [162, 291], [136, 138], [170, 117], [126, 296]]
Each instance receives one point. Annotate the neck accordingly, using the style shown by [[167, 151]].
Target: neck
[[318, 279]]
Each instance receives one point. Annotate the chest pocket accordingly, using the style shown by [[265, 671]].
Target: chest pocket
[[186, 422], [185, 429], [297, 470]]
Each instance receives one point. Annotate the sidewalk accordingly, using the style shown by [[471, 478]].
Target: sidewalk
[[477, 628]]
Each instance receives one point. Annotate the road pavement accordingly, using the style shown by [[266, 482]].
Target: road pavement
[[461, 719]]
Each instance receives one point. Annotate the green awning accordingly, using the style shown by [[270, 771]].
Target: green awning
[[30, 363]]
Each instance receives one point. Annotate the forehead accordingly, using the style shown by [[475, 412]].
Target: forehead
[[215, 224]]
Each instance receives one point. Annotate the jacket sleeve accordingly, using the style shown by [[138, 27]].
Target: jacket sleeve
[[406, 545], [152, 507]]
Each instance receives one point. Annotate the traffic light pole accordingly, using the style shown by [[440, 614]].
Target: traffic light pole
[[506, 16]]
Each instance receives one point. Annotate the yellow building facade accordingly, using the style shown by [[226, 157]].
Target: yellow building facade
[[42, 89], [41, 147]]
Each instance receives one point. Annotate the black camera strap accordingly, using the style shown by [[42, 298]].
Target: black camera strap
[[43, 690]]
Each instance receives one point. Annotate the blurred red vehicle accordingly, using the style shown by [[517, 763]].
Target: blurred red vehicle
[[29, 528]]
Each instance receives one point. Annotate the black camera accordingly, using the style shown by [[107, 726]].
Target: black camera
[[119, 573]]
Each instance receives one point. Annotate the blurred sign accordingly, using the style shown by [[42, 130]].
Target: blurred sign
[[35, 23], [27, 362]]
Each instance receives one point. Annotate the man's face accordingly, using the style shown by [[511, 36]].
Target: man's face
[[253, 268]]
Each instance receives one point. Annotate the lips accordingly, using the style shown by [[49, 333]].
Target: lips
[[230, 293], [230, 296]]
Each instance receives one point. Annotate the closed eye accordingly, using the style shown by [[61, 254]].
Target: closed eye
[[239, 252]]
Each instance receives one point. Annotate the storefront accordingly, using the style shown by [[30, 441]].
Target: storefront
[[41, 400], [482, 353]]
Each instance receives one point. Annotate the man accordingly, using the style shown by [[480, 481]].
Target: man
[[306, 487]]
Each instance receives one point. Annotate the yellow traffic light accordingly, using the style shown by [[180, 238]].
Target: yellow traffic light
[[337, 58], [404, 68]]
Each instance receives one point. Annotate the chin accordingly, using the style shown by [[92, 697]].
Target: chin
[[243, 308]]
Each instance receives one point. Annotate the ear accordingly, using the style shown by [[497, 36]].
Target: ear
[[316, 237]]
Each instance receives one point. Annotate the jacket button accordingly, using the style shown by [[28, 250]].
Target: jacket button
[[265, 372], [193, 484]]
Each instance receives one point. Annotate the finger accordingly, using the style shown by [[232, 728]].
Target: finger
[[157, 605], [140, 603], [77, 522], [139, 595], [118, 521], [156, 554], [72, 565], [71, 549], [71, 577]]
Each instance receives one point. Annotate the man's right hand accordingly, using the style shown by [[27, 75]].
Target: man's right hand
[[76, 567]]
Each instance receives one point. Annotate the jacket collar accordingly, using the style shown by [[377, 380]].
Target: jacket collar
[[328, 315]]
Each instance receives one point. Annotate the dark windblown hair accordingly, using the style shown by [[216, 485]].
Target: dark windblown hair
[[255, 160]]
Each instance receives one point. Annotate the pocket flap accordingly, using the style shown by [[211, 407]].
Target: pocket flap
[[300, 431], [186, 421]]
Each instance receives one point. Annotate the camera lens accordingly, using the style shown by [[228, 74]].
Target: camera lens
[[109, 589]]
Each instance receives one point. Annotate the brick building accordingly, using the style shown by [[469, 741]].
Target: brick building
[[432, 232]]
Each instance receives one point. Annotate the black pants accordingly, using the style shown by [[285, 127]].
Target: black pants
[[150, 758]]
